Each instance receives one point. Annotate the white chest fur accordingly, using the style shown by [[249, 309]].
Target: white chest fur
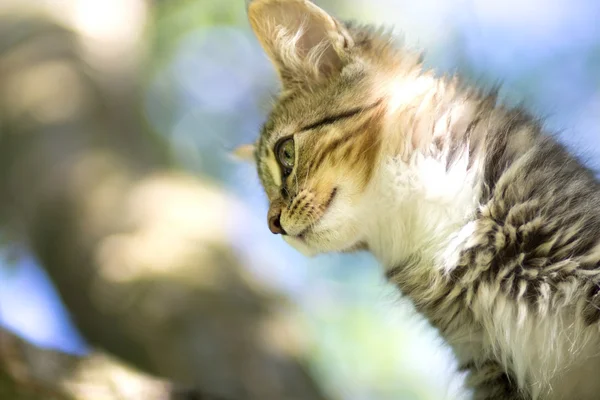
[[421, 208]]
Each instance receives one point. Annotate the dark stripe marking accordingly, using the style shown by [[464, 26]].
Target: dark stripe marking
[[335, 118]]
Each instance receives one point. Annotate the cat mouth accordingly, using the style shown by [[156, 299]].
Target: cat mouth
[[309, 228]]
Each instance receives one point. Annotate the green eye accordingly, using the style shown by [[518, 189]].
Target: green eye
[[286, 154]]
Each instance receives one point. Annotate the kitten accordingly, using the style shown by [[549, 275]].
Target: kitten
[[481, 218]]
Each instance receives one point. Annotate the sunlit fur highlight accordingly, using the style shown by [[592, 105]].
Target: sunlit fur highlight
[[479, 217]]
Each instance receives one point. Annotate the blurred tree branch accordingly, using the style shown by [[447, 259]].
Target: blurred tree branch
[[138, 251], [30, 373]]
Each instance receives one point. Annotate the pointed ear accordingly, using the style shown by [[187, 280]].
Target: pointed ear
[[245, 153], [304, 43]]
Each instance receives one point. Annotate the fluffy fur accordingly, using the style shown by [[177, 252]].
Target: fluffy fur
[[483, 220]]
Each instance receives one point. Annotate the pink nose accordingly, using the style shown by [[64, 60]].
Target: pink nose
[[274, 218], [275, 225]]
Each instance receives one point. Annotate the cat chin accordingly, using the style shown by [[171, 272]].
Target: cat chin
[[308, 251], [301, 246]]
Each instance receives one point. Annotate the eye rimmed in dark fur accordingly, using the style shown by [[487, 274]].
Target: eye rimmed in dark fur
[[285, 153]]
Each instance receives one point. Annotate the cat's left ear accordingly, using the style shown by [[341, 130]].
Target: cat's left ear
[[245, 153], [304, 42]]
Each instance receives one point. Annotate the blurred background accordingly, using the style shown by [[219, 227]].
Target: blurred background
[[202, 86]]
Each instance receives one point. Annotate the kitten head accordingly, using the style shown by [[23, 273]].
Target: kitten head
[[320, 147]]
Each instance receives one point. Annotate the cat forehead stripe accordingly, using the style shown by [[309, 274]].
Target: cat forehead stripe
[[338, 117]]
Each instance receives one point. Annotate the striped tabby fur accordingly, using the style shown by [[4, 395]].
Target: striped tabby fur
[[481, 218]]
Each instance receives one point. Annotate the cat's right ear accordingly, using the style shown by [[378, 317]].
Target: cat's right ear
[[305, 44], [245, 153]]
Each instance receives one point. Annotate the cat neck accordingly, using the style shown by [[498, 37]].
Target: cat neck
[[426, 188], [417, 207]]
